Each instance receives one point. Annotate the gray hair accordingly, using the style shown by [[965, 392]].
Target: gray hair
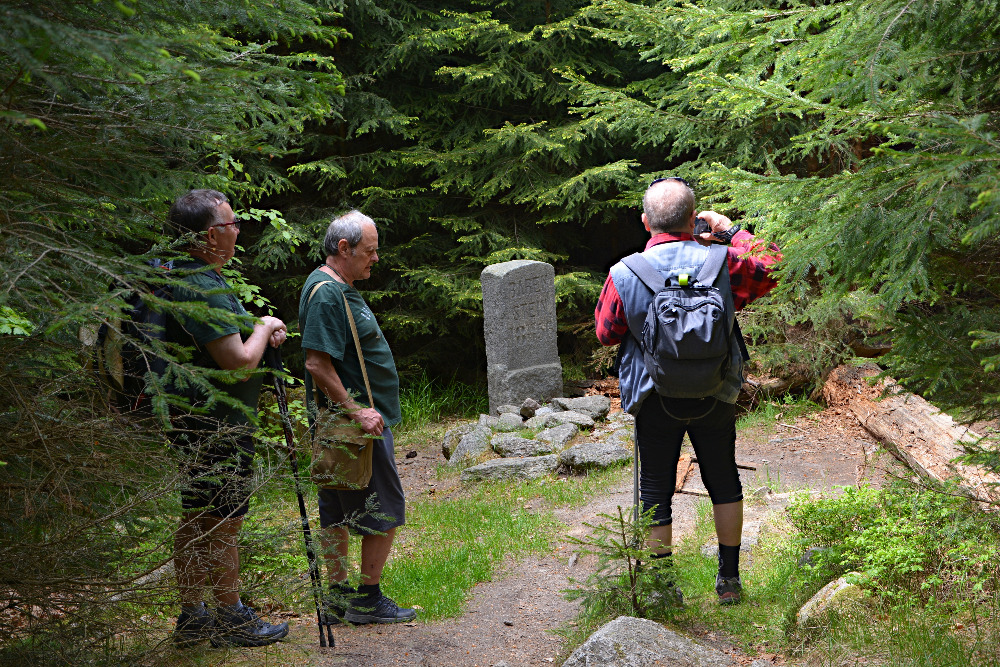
[[195, 212], [668, 206], [348, 227]]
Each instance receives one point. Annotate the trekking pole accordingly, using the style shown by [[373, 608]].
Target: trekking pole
[[272, 360]]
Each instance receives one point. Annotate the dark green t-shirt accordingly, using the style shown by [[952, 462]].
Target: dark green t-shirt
[[200, 331], [325, 328]]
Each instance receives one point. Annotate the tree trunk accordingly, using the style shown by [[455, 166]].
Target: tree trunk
[[918, 434]]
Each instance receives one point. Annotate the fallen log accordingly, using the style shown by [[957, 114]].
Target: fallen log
[[914, 431]]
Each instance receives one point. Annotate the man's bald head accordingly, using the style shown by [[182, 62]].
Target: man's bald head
[[668, 206]]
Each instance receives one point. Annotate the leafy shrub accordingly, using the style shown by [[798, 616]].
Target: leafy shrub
[[909, 543]]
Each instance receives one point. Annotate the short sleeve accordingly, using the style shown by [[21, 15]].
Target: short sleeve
[[325, 326], [205, 330]]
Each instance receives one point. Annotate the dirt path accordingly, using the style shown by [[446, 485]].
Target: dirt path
[[508, 621]]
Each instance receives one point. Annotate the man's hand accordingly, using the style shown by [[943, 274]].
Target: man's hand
[[370, 420], [278, 330], [716, 222]]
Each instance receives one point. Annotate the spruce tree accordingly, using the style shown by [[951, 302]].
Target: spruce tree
[[861, 137], [110, 111]]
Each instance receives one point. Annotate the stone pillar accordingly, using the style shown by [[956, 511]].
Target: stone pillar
[[519, 318]]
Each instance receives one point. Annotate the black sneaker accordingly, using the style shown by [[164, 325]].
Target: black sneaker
[[243, 627], [382, 610], [193, 628], [335, 603], [666, 593], [729, 589]]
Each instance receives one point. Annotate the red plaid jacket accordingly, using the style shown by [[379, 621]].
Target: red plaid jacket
[[750, 276]]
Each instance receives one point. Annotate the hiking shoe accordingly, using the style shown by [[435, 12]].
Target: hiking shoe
[[729, 589], [382, 610], [193, 628], [243, 627], [666, 593], [335, 604]]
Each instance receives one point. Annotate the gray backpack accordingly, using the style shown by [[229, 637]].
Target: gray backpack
[[686, 338]]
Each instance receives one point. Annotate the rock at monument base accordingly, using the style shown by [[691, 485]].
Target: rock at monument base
[[529, 407], [595, 407], [835, 595], [588, 455], [453, 436], [472, 446], [637, 642], [507, 469], [559, 435], [508, 422], [513, 385], [622, 437], [570, 417], [510, 445]]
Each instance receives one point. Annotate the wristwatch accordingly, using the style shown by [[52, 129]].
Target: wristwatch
[[727, 236]]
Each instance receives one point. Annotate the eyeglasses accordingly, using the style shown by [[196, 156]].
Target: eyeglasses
[[670, 178], [226, 224]]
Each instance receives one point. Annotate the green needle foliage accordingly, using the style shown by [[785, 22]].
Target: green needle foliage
[[861, 137], [109, 111]]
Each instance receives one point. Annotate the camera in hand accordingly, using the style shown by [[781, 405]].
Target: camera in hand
[[701, 226]]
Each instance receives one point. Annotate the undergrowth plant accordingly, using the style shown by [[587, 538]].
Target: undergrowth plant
[[626, 580], [910, 544]]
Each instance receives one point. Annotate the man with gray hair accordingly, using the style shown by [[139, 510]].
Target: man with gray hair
[[334, 378], [675, 251]]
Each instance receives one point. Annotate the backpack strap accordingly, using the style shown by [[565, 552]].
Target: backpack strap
[[650, 277], [641, 267], [710, 269], [354, 333]]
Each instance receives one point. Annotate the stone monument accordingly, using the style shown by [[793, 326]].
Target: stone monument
[[519, 318]]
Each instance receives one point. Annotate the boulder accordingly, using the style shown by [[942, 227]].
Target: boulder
[[570, 417], [509, 421], [530, 467], [588, 455], [621, 437], [510, 445], [540, 421], [488, 421], [638, 642], [559, 436], [453, 436], [529, 407], [835, 595], [472, 446], [507, 409], [595, 407]]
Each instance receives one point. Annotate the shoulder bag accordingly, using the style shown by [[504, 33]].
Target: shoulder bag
[[341, 451]]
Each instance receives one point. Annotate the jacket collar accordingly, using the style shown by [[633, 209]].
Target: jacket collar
[[667, 237]]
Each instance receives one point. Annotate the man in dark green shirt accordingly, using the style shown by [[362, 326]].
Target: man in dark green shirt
[[334, 377], [217, 446]]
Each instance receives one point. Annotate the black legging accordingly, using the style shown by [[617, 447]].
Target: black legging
[[660, 428]]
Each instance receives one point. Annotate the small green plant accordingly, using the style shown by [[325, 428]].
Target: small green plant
[[626, 580], [768, 413]]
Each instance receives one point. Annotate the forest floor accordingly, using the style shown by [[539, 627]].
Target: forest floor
[[509, 622]]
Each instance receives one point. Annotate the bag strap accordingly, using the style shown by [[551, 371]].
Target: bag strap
[[641, 267], [710, 269], [354, 332]]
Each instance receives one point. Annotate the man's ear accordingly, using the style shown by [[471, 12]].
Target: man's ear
[[690, 224], [208, 238], [645, 222], [343, 247]]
